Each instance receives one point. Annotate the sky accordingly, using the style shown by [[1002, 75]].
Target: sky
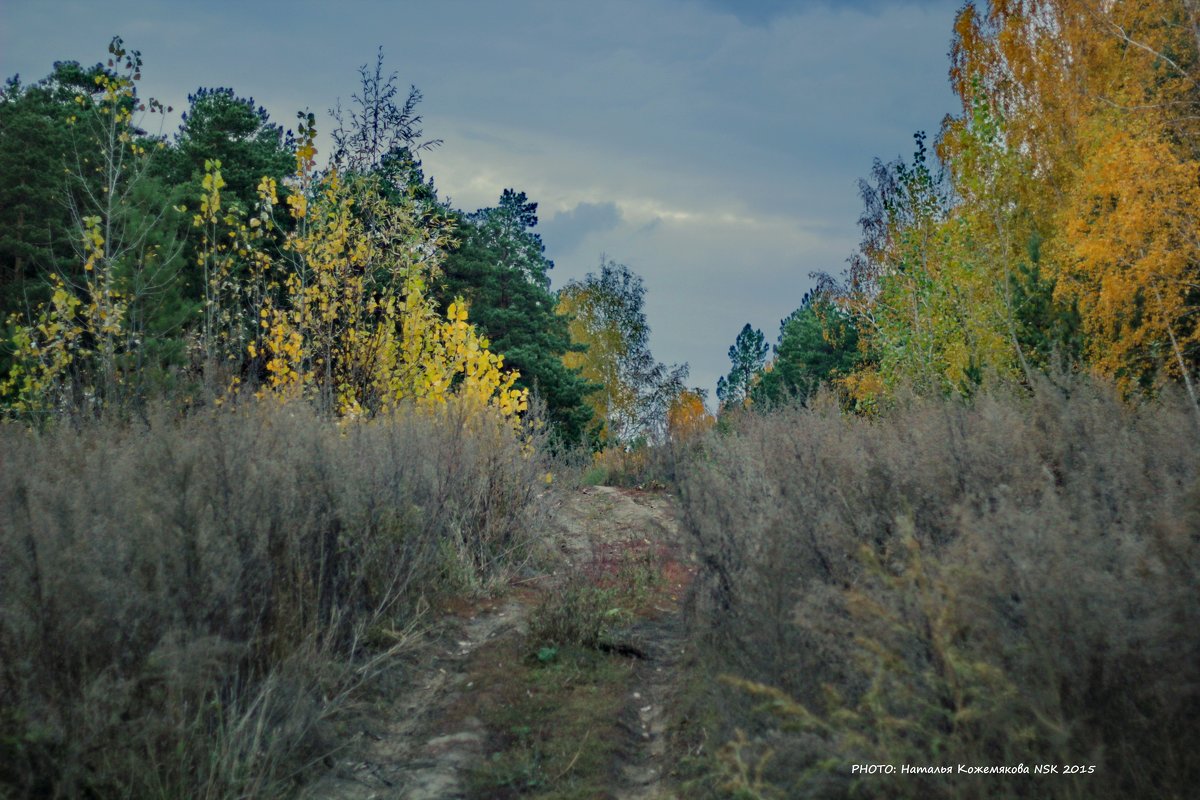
[[713, 146]]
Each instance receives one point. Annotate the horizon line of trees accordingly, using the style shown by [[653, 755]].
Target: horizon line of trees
[[225, 259], [1053, 224]]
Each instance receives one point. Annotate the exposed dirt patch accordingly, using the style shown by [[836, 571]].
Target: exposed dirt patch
[[486, 712], [646, 522], [402, 750]]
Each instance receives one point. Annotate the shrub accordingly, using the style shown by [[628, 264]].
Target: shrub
[[577, 615], [1011, 581], [643, 465], [183, 602]]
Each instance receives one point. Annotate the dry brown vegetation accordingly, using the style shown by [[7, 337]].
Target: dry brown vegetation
[[1010, 581], [185, 603]]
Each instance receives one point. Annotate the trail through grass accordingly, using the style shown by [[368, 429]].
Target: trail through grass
[[556, 688]]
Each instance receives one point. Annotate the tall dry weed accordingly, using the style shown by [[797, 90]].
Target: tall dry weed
[[183, 602], [1013, 581]]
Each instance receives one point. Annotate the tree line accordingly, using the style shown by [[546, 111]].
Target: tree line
[[1051, 225], [226, 260]]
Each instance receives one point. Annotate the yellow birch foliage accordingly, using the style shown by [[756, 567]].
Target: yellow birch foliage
[[600, 362], [353, 327], [1129, 251], [236, 268], [48, 349], [74, 343], [1075, 155], [1099, 101], [340, 316], [43, 351], [687, 417]]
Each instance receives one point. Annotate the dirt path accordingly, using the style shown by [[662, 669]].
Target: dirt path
[[602, 518], [400, 752], [440, 734]]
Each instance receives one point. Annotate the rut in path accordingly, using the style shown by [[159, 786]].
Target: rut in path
[[606, 517], [645, 773], [419, 746]]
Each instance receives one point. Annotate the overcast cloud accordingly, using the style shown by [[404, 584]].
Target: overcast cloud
[[712, 145]]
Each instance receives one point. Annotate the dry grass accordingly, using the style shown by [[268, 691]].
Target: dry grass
[[1017, 581], [183, 603], [645, 466]]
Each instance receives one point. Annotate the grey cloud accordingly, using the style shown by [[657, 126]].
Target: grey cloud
[[650, 227], [507, 143], [566, 230], [762, 12], [730, 132]]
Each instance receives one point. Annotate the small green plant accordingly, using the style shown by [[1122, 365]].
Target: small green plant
[[596, 476], [579, 616], [555, 722], [519, 768], [639, 576]]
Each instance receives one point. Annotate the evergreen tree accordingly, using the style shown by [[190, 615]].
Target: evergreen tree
[[748, 356], [220, 126], [817, 343], [36, 229], [499, 267]]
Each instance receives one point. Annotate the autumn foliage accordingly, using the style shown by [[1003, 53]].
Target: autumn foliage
[[1059, 220], [204, 567], [325, 293], [288, 436], [352, 324], [687, 417]]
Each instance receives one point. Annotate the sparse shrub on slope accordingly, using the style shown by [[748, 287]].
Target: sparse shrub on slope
[[183, 603], [1009, 582]]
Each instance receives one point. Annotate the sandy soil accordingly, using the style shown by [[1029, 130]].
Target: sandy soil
[[411, 748]]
